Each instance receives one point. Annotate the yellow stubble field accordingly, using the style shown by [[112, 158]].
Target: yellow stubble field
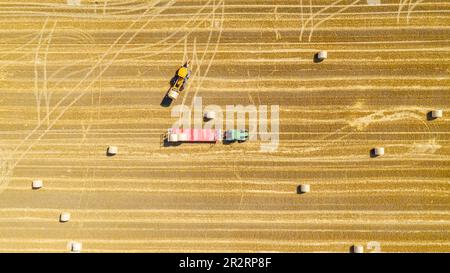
[[77, 76]]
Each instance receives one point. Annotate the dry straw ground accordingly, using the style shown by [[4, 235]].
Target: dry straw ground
[[75, 78]]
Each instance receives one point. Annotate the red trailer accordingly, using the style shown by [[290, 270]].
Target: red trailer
[[193, 135]]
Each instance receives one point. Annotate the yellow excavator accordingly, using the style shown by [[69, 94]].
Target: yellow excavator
[[180, 81]]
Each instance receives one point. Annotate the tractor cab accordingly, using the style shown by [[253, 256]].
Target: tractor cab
[[240, 135]]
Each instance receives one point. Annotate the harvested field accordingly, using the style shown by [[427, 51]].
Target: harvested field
[[76, 78]]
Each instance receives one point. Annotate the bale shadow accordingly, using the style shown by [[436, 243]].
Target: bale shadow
[[372, 153], [317, 59], [430, 116], [352, 250], [299, 189]]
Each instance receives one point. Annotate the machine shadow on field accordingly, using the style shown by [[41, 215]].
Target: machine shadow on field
[[227, 142], [166, 101], [166, 143]]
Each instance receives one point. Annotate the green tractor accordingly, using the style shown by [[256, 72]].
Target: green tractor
[[239, 135]]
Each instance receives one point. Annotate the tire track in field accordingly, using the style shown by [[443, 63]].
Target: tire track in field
[[3, 186]]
